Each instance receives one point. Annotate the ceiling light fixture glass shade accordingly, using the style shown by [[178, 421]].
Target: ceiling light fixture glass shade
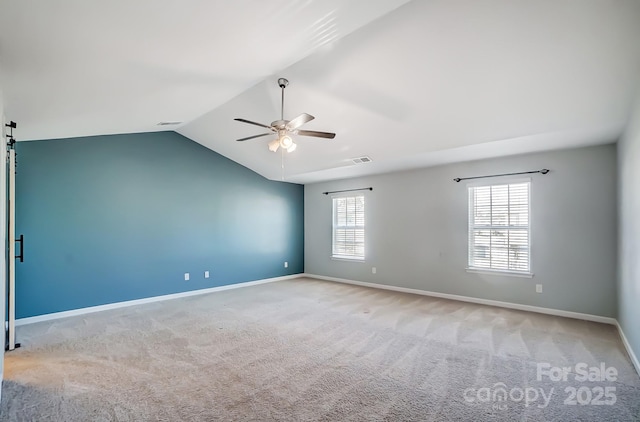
[[283, 140], [286, 141], [274, 145]]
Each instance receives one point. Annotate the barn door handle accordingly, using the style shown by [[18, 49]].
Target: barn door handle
[[21, 240]]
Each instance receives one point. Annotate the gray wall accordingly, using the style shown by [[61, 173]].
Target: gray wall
[[417, 231], [629, 247]]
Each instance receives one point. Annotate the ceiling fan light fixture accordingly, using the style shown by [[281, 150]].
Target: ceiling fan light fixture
[[284, 128], [274, 145], [285, 141]]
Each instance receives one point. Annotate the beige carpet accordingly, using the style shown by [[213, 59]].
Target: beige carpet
[[307, 350]]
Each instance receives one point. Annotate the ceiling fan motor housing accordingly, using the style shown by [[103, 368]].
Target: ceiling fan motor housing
[[280, 124]]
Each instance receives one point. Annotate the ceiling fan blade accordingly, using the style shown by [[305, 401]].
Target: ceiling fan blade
[[252, 137], [253, 123], [299, 121], [316, 134]]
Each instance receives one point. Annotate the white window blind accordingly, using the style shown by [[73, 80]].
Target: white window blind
[[499, 227], [348, 227]]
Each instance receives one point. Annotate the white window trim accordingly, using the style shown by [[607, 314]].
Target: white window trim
[[522, 274], [347, 258], [504, 180]]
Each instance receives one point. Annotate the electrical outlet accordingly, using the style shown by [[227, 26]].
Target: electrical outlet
[[286, 264], [538, 288], [206, 274], [373, 270], [186, 276]]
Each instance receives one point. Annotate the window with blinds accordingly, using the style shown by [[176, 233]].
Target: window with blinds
[[348, 227], [499, 227]]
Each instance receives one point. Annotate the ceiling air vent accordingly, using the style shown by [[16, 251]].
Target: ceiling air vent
[[168, 123], [361, 160]]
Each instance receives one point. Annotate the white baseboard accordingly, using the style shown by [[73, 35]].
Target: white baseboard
[[517, 306], [627, 345], [91, 309]]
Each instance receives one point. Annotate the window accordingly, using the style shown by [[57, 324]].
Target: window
[[499, 227], [348, 227]]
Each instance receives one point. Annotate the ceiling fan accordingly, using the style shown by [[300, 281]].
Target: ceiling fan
[[284, 128]]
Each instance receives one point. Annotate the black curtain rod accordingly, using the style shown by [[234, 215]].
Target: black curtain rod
[[346, 190], [543, 171]]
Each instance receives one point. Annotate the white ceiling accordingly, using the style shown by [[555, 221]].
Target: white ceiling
[[409, 84]]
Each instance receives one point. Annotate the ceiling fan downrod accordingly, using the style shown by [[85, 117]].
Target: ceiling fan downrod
[[282, 83]]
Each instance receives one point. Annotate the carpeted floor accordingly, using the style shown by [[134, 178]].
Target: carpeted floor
[[308, 350]]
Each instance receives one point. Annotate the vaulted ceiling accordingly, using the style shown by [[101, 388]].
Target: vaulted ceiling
[[407, 83]]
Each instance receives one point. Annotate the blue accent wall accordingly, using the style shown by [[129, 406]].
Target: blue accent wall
[[115, 218]]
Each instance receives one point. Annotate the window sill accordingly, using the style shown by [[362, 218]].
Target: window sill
[[346, 258], [499, 272]]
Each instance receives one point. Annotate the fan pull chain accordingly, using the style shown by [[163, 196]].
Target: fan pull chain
[[282, 162]]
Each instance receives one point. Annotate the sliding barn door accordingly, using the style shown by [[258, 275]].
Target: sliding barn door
[[11, 235]]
